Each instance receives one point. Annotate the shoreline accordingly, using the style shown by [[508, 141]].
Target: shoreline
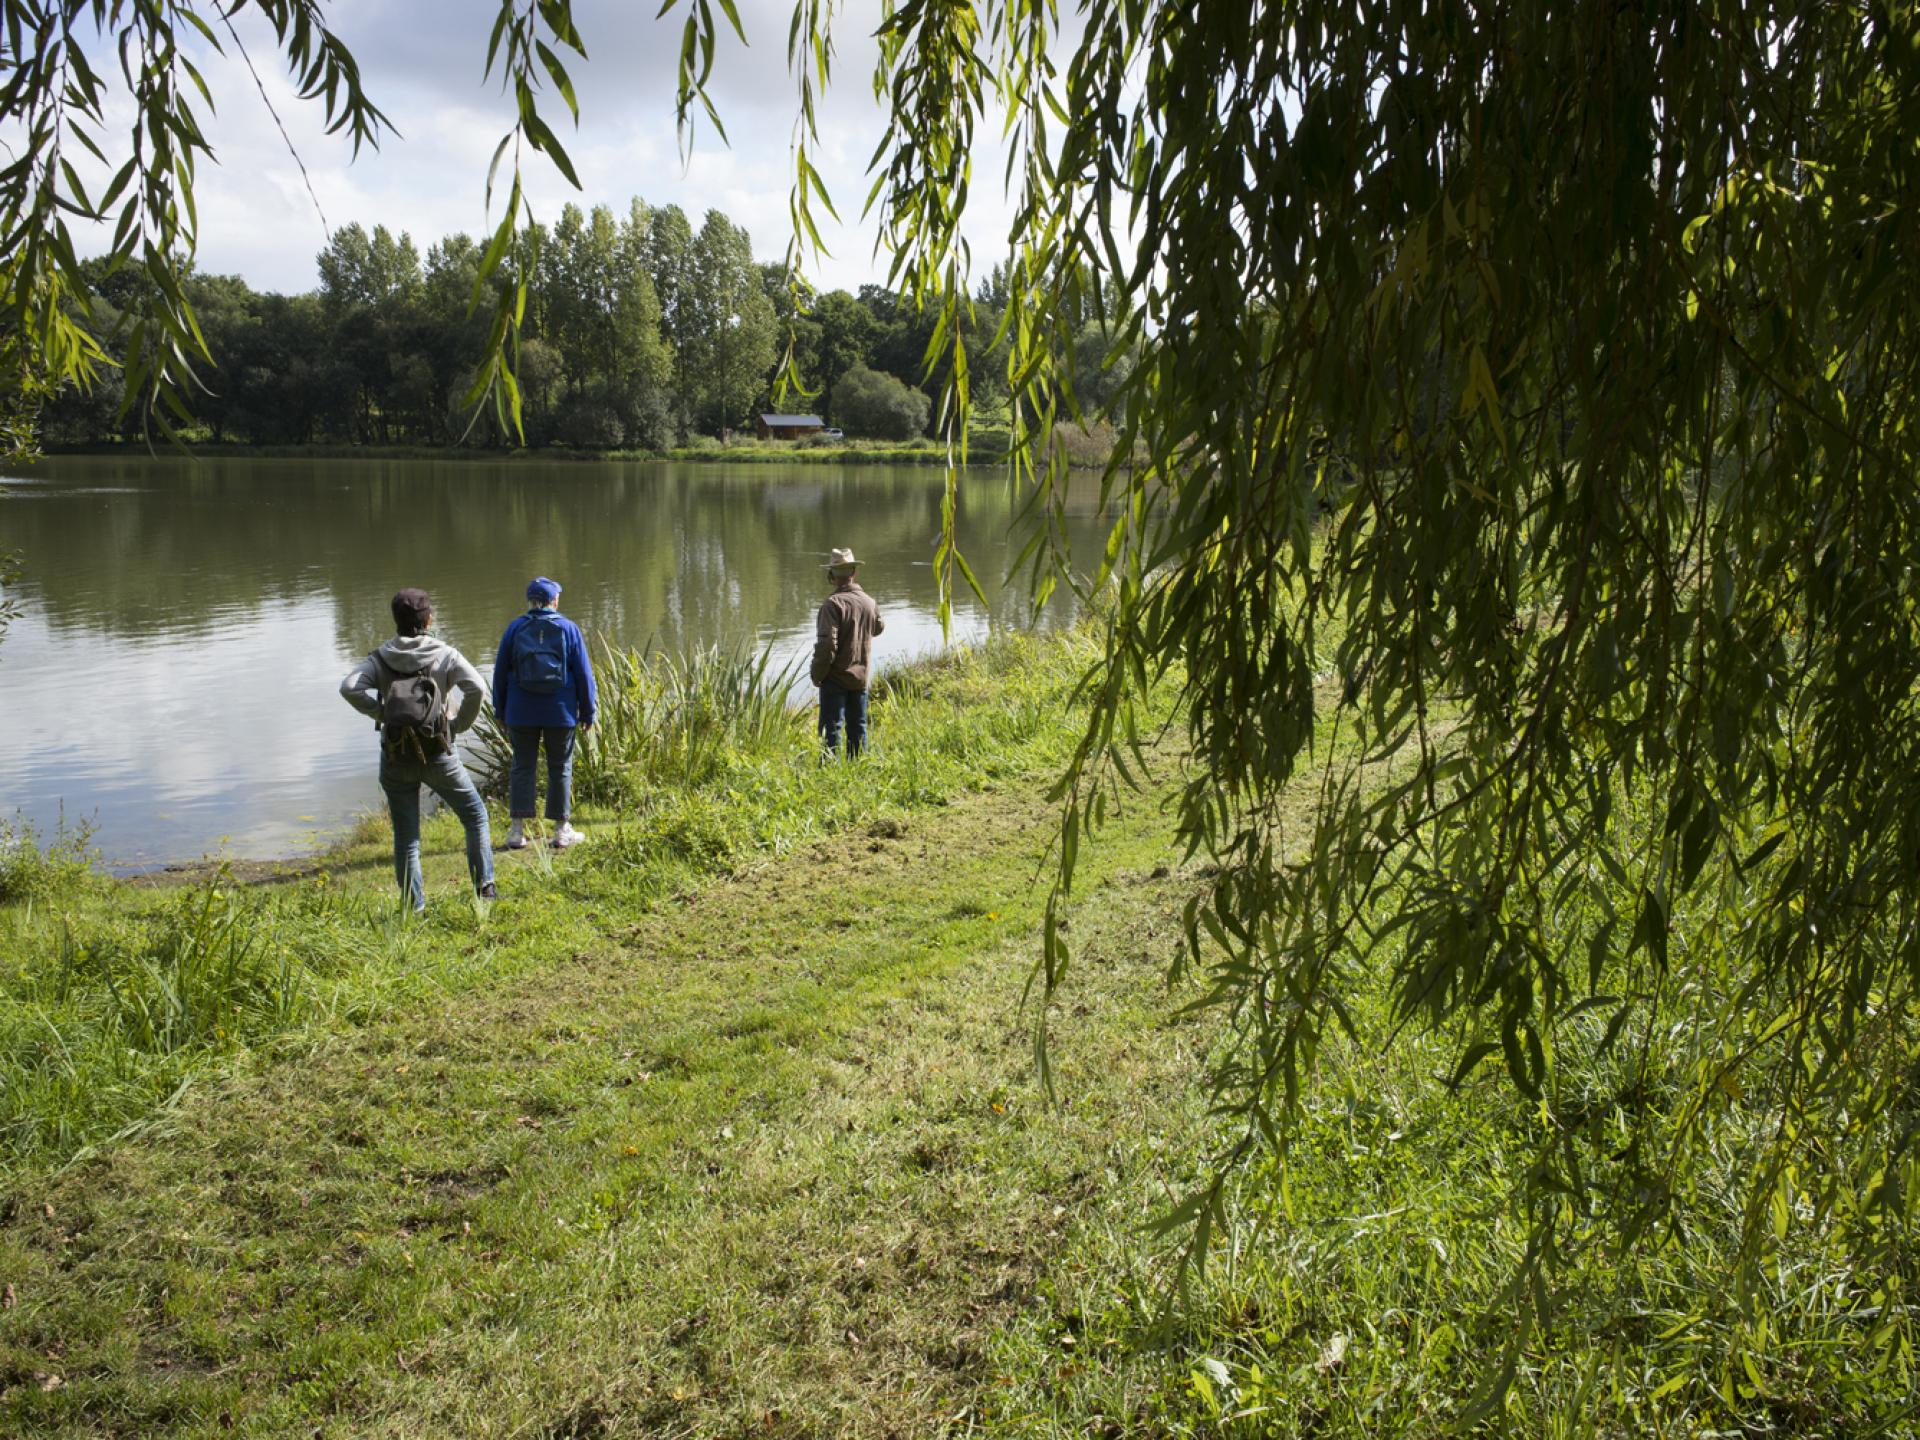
[[989, 448], [370, 822], [741, 453], [252, 870]]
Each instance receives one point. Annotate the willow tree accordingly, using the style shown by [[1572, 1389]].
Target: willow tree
[[1519, 463], [1516, 461]]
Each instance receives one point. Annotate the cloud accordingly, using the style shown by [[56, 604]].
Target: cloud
[[422, 63]]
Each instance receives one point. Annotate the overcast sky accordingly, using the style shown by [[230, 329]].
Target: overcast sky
[[422, 62]]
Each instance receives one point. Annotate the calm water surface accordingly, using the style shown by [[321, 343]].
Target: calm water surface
[[173, 679]]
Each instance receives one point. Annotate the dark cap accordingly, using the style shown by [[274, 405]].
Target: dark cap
[[411, 611]]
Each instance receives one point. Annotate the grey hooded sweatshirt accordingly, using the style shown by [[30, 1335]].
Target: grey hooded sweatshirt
[[417, 655]]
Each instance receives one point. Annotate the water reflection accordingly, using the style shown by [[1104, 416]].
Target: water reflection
[[173, 677]]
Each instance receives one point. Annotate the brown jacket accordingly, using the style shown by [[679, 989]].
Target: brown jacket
[[843, 637]]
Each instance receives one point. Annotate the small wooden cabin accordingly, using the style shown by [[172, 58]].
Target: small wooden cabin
[[789, 427]]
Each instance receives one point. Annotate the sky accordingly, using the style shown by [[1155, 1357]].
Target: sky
[[422, 63]]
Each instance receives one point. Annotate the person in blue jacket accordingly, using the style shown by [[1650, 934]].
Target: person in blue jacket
[[543, 691]]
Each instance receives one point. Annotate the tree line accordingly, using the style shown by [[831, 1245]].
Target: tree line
[[641, 332]]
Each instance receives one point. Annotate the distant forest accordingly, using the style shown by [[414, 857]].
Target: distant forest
[[641, 333]]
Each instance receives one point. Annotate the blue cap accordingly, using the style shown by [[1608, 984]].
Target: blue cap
[[543, 591]]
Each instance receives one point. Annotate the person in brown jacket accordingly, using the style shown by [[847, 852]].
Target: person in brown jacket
[[842, 653]]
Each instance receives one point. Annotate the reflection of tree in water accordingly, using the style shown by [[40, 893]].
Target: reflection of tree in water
[[661, 552]]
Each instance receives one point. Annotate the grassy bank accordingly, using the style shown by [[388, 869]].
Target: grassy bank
[[118, 995], [854, 452], [1081, 447], [724, 1125]]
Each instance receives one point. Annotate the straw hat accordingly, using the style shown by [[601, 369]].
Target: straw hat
[[841, 562]]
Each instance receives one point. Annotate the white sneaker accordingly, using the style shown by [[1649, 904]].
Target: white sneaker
[[566, 835], [517, 835]]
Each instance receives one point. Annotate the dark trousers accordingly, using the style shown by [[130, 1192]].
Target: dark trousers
[[843, 707], [522, 777]]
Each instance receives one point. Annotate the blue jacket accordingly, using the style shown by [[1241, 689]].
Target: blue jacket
[[572, 705]]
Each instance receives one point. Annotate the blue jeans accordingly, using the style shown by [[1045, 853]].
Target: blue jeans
[[526, 760], [447, 778], [838, 706]]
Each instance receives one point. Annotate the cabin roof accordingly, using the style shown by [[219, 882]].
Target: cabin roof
[[769, 419]]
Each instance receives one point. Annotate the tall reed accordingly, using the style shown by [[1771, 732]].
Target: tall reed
[[665, 718], [106, 1018]]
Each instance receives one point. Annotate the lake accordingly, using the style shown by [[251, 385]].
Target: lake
[[173, 680]]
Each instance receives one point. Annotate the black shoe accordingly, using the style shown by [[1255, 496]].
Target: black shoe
[[488, 891]]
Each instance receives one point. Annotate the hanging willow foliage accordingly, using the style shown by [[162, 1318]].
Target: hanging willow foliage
[[1521, 459], [70, 70], [63, 65]]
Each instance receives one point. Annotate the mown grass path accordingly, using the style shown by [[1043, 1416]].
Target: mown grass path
[[767, 1161]]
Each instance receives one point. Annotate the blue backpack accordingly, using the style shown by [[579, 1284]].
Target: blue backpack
[[540, 655]]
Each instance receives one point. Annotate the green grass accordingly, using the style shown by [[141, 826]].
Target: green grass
[[114, 997], [31, 870], [1367, 1295], [724, 1125], [760, 1161], [988, 447]]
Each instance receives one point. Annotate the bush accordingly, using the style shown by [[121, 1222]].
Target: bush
[[649, 421], [100, 1022], [1085, 446], [589, 421], [603, 417], [28, 872], [871, 403]]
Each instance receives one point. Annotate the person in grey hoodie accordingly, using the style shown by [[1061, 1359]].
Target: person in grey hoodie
[[409, 760]]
